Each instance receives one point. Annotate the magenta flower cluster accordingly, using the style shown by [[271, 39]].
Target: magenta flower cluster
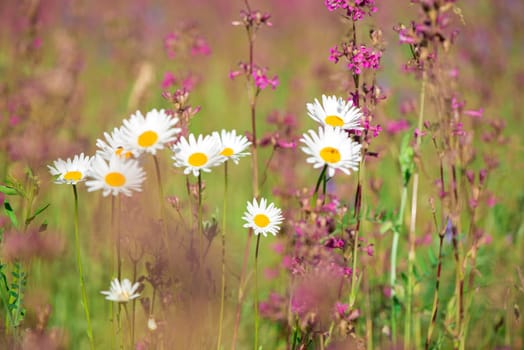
[[356, 9], [253, 19], [262, 81], [259, 75], [359, 57]]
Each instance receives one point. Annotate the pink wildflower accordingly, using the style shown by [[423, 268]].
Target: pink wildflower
[[341, 309], [262, 81]]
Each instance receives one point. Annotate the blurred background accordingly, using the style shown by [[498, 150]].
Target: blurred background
[[71, 70]]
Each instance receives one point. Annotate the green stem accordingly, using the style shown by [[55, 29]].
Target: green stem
[[162, 208], [200, 226], [133, 310], [434, 309], [412, 226], [393, 265], [295, 337], [223, 287], [324, 187], [128, 325], [11, 321], [81, 274], [256, 293], [353, 293], [241, 289], [118, 241], [321, 178], [358, 206]]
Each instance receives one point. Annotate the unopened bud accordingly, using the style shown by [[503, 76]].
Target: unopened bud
[[151, 324]]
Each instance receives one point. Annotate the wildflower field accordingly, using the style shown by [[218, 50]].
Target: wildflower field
[[299, 174]]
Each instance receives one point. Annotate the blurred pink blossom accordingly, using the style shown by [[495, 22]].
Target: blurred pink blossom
[[477, 114], [14, 120], [200, 47], [397, 126], [168, 80]]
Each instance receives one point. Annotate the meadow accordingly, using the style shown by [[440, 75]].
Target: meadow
[[216, 174]]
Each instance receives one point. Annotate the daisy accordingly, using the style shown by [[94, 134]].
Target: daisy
[[263, 219], [122, 292], [232, 145], [335, 112], [197, 154], [331, 147], [150, 133], [70, 171], [114, 144], [117, 176]]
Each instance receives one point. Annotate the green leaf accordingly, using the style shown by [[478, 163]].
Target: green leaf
[[10, 191], [433, 259], [404, 278], [10, 213], [36, 213], [386, 226], [397, 305], [416, 273]]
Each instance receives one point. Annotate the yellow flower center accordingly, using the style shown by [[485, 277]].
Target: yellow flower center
[[334, 120], [261, 220], [227, 152], [73, 176], [120, 152], [115, 179], [147, 138], [197, 159], [330, 155]]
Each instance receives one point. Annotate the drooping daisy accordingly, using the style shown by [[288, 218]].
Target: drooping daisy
[[331, 147], [70, 171], [263, 219], [114, 144], [232, 145], [335, 112], [150, 133], [122, 292], [196, 154], [116, 176]]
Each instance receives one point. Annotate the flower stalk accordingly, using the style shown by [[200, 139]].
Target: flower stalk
[[412, 225], [223, 280], [257, 316], [81, 271]]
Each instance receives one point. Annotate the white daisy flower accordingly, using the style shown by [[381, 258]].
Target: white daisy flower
[[150, 133], [122, 292], [331, 147], [232, 145], [263, 219], [197, 154], [70, 171], [114, 144], [117, 176], [335, 112]]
